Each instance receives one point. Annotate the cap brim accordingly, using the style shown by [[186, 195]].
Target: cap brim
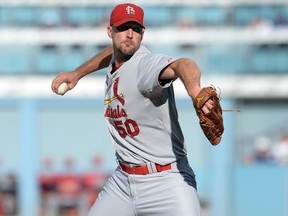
[[121, 22]]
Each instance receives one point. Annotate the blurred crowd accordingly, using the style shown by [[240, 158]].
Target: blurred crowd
[[266, 150], [70, 193], [47, 55], [8, 194], [182, 16], [62, 193]]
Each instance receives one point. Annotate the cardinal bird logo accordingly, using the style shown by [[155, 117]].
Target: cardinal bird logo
[[119, 97]]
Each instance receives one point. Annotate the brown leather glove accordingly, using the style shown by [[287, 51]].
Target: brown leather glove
[[212, 122]]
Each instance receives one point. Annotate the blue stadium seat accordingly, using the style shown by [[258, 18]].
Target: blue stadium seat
[[5, 16], [25, 16], [261, 61], [158, 16], [14, 60], [244, 15], [96, 15], [73, 57], [227, 59], [47, 60], [270, 60], [280, 60], [50, 17], [211, 15], [76, 16]]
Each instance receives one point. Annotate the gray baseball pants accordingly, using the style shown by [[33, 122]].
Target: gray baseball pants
[[169, 193]]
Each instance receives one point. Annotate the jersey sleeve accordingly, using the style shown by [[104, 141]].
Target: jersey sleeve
[[150, 68]]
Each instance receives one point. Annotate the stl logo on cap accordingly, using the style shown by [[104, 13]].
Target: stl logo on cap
[[123, 13], [130, 10]]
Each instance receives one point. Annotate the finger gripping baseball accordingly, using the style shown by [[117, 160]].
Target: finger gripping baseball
[[211, 122]]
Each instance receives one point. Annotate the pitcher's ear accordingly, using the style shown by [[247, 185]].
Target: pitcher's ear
[[142, 35], [109, 31]]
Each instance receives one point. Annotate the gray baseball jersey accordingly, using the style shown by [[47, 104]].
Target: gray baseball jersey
[[142, 121], [141, 114]]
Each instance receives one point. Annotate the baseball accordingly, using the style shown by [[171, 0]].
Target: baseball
[[62, 88]]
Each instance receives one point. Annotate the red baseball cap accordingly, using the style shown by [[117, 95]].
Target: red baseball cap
[[123, 13]]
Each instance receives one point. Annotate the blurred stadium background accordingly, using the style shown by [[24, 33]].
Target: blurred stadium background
[[55, 151]]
